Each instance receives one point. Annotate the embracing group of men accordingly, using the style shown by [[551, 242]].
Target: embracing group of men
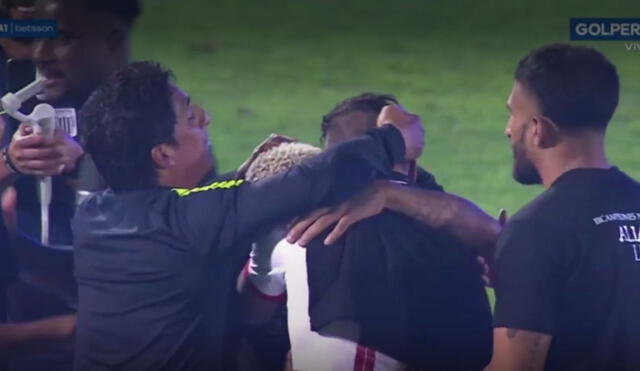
[[157, 262]]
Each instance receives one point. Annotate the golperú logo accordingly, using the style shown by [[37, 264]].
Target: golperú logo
[[605, 29]]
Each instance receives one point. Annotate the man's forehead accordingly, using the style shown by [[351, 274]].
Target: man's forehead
[[72, 14], [180, 96], [522, 97], [516, 96]]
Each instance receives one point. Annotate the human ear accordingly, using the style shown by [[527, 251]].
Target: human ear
[[163, 156]]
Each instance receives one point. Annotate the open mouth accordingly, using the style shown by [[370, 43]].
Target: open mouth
[[52, 78], [52, 81]]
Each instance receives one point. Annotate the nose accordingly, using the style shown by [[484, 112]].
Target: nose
[[507, 131], [43, 52], [206, 118]]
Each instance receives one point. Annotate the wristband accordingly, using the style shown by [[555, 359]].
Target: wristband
[[7, 162]]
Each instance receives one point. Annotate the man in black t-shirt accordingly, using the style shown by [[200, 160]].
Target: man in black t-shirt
[[568, 264]]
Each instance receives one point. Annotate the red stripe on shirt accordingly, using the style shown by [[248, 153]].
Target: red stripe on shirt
[[365, 359], [370, 362]]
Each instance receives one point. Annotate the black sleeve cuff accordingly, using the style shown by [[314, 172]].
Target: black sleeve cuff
[[541, 328], [393, 142]]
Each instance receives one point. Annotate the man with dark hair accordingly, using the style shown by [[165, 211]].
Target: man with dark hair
[[353, 115], [368, 295], [94, 42], [156, 266], [426, 203], [568, 262]]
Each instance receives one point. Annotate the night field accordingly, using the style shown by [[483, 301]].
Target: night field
[[263, 66]]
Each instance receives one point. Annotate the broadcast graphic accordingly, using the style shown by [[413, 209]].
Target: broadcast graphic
[[625, 30]]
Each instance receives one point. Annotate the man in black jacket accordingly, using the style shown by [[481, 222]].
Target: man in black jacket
[[155, 266]]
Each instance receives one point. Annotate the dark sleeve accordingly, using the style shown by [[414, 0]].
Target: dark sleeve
[[86, 176], [7, 263], [220, 215], [426, 180], [10, 128], [45, 267], [529, 276]]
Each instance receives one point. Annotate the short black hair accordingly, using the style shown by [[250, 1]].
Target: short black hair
[[126, 10], [124, 119], [577, 87], [365, 102]]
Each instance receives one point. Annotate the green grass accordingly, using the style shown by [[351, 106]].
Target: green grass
[[263, 66]]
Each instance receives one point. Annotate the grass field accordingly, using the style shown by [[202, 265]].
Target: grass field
[[263, 66]]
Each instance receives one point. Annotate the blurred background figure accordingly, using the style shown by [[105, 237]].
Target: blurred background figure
[[18, 48], [94, 42]]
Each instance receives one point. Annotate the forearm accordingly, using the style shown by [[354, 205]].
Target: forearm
[[32, 336], [460, 217], [327, 179], [515, 350], [349, 168]]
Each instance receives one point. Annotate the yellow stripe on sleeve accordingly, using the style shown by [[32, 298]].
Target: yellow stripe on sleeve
[[228, 184]]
